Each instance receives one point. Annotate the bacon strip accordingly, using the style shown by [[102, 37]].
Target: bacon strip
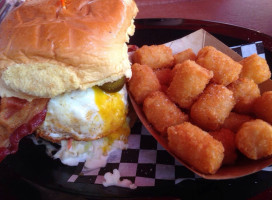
[[18, 118]]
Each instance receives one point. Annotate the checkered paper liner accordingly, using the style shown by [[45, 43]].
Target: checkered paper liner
[[146, 163]]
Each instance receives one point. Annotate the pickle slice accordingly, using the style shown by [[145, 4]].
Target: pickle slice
[[114, 86]]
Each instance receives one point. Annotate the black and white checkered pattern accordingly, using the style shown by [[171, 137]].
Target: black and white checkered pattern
[[145, 162], [249, 49]]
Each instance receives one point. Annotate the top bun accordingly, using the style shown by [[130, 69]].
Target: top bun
[[47, 50]]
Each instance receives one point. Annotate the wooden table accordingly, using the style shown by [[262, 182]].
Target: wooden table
[[252, 14]]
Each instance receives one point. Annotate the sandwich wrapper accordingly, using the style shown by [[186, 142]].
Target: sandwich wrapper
[[147, 162]]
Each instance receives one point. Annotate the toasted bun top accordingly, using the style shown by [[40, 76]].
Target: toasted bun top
[[47, 50]]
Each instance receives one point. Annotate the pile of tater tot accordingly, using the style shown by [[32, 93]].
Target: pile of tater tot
[[207, 106]]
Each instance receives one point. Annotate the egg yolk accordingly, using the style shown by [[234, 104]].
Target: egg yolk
[[113, 112], [111, 109]]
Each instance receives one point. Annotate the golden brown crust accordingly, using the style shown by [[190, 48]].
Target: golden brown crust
[[84, 45]]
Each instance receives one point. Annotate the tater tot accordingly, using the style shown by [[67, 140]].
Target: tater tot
[[142, 82], [254, 139], [174, 70], [263, 107], [196, 147], [190, 79], [212, 107], [187, 54], [234, 121], [161, 112], [245, 92], [256, 68], [225, 69], [155, 56], [164, 76], [227, 138], [164, 88]]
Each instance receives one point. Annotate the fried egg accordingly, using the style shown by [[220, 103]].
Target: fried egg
[[88, 125], [84, 115]]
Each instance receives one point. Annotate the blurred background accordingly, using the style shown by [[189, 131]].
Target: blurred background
[[251, 14]]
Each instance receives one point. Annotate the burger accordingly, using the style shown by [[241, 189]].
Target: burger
[[63, 66]]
